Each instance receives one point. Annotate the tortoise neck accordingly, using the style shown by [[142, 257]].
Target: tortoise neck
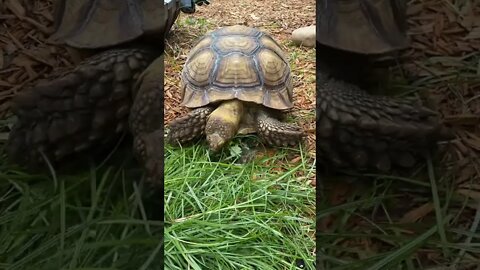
[[230, 111], [223, 123]]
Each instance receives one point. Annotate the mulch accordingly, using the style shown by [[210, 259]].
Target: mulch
[[444, 53], [25, 54], [444, 59]]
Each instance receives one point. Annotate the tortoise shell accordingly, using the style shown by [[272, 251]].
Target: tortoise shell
[[237, 62], [104, 23], [379, 26]]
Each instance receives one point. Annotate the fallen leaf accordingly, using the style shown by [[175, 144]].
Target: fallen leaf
[[417, 213], [16, 7], [473, 194]]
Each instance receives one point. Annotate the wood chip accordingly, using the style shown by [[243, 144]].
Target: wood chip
[[16, 7], [2, 61], [418, 213]]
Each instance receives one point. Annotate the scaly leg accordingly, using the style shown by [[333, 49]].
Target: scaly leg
[[190, 126], [84, 107], [275, 132], [146, 121], [355, 128]]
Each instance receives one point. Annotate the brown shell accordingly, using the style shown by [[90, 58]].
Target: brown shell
[[237, 62], [362, 26], [103, 23]]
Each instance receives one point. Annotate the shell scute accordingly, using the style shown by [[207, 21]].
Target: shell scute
[[237, 62]]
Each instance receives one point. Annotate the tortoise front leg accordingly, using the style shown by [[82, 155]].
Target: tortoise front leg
[[190, 126], [366, 131], [148, 148], [82, 108], [275, 132], [146, 121]]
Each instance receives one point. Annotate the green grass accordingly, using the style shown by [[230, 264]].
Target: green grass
[[92, 220], [223, 215], [219, 214], [371, 229], [100, 218]]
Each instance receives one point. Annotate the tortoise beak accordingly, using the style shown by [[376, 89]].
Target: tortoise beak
[[215, 142]]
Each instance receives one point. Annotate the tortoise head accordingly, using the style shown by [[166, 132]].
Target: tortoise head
[[223, 123], [216, 141]]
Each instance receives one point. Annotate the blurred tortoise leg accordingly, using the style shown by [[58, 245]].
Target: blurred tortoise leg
[[86, 106], [277, 133], [146, 121], [189, 127], [148, 148], [355, 128]]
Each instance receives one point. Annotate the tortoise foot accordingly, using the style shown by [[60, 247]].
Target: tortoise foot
[[190, 126], [146, 114], [277, 133], [148, 147], [355, 128]]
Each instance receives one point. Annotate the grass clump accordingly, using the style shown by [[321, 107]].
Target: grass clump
[[93, 219], [386, 222], [218, 215]]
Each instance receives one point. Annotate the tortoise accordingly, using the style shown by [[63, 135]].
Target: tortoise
[[116, 90], [236, 79], [355, 128]]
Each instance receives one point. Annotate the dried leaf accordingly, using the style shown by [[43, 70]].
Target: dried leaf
[[2, 62], [417, 213], [473, 194], [16, 7], [472, 140], [474, 34], [3, 136]]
